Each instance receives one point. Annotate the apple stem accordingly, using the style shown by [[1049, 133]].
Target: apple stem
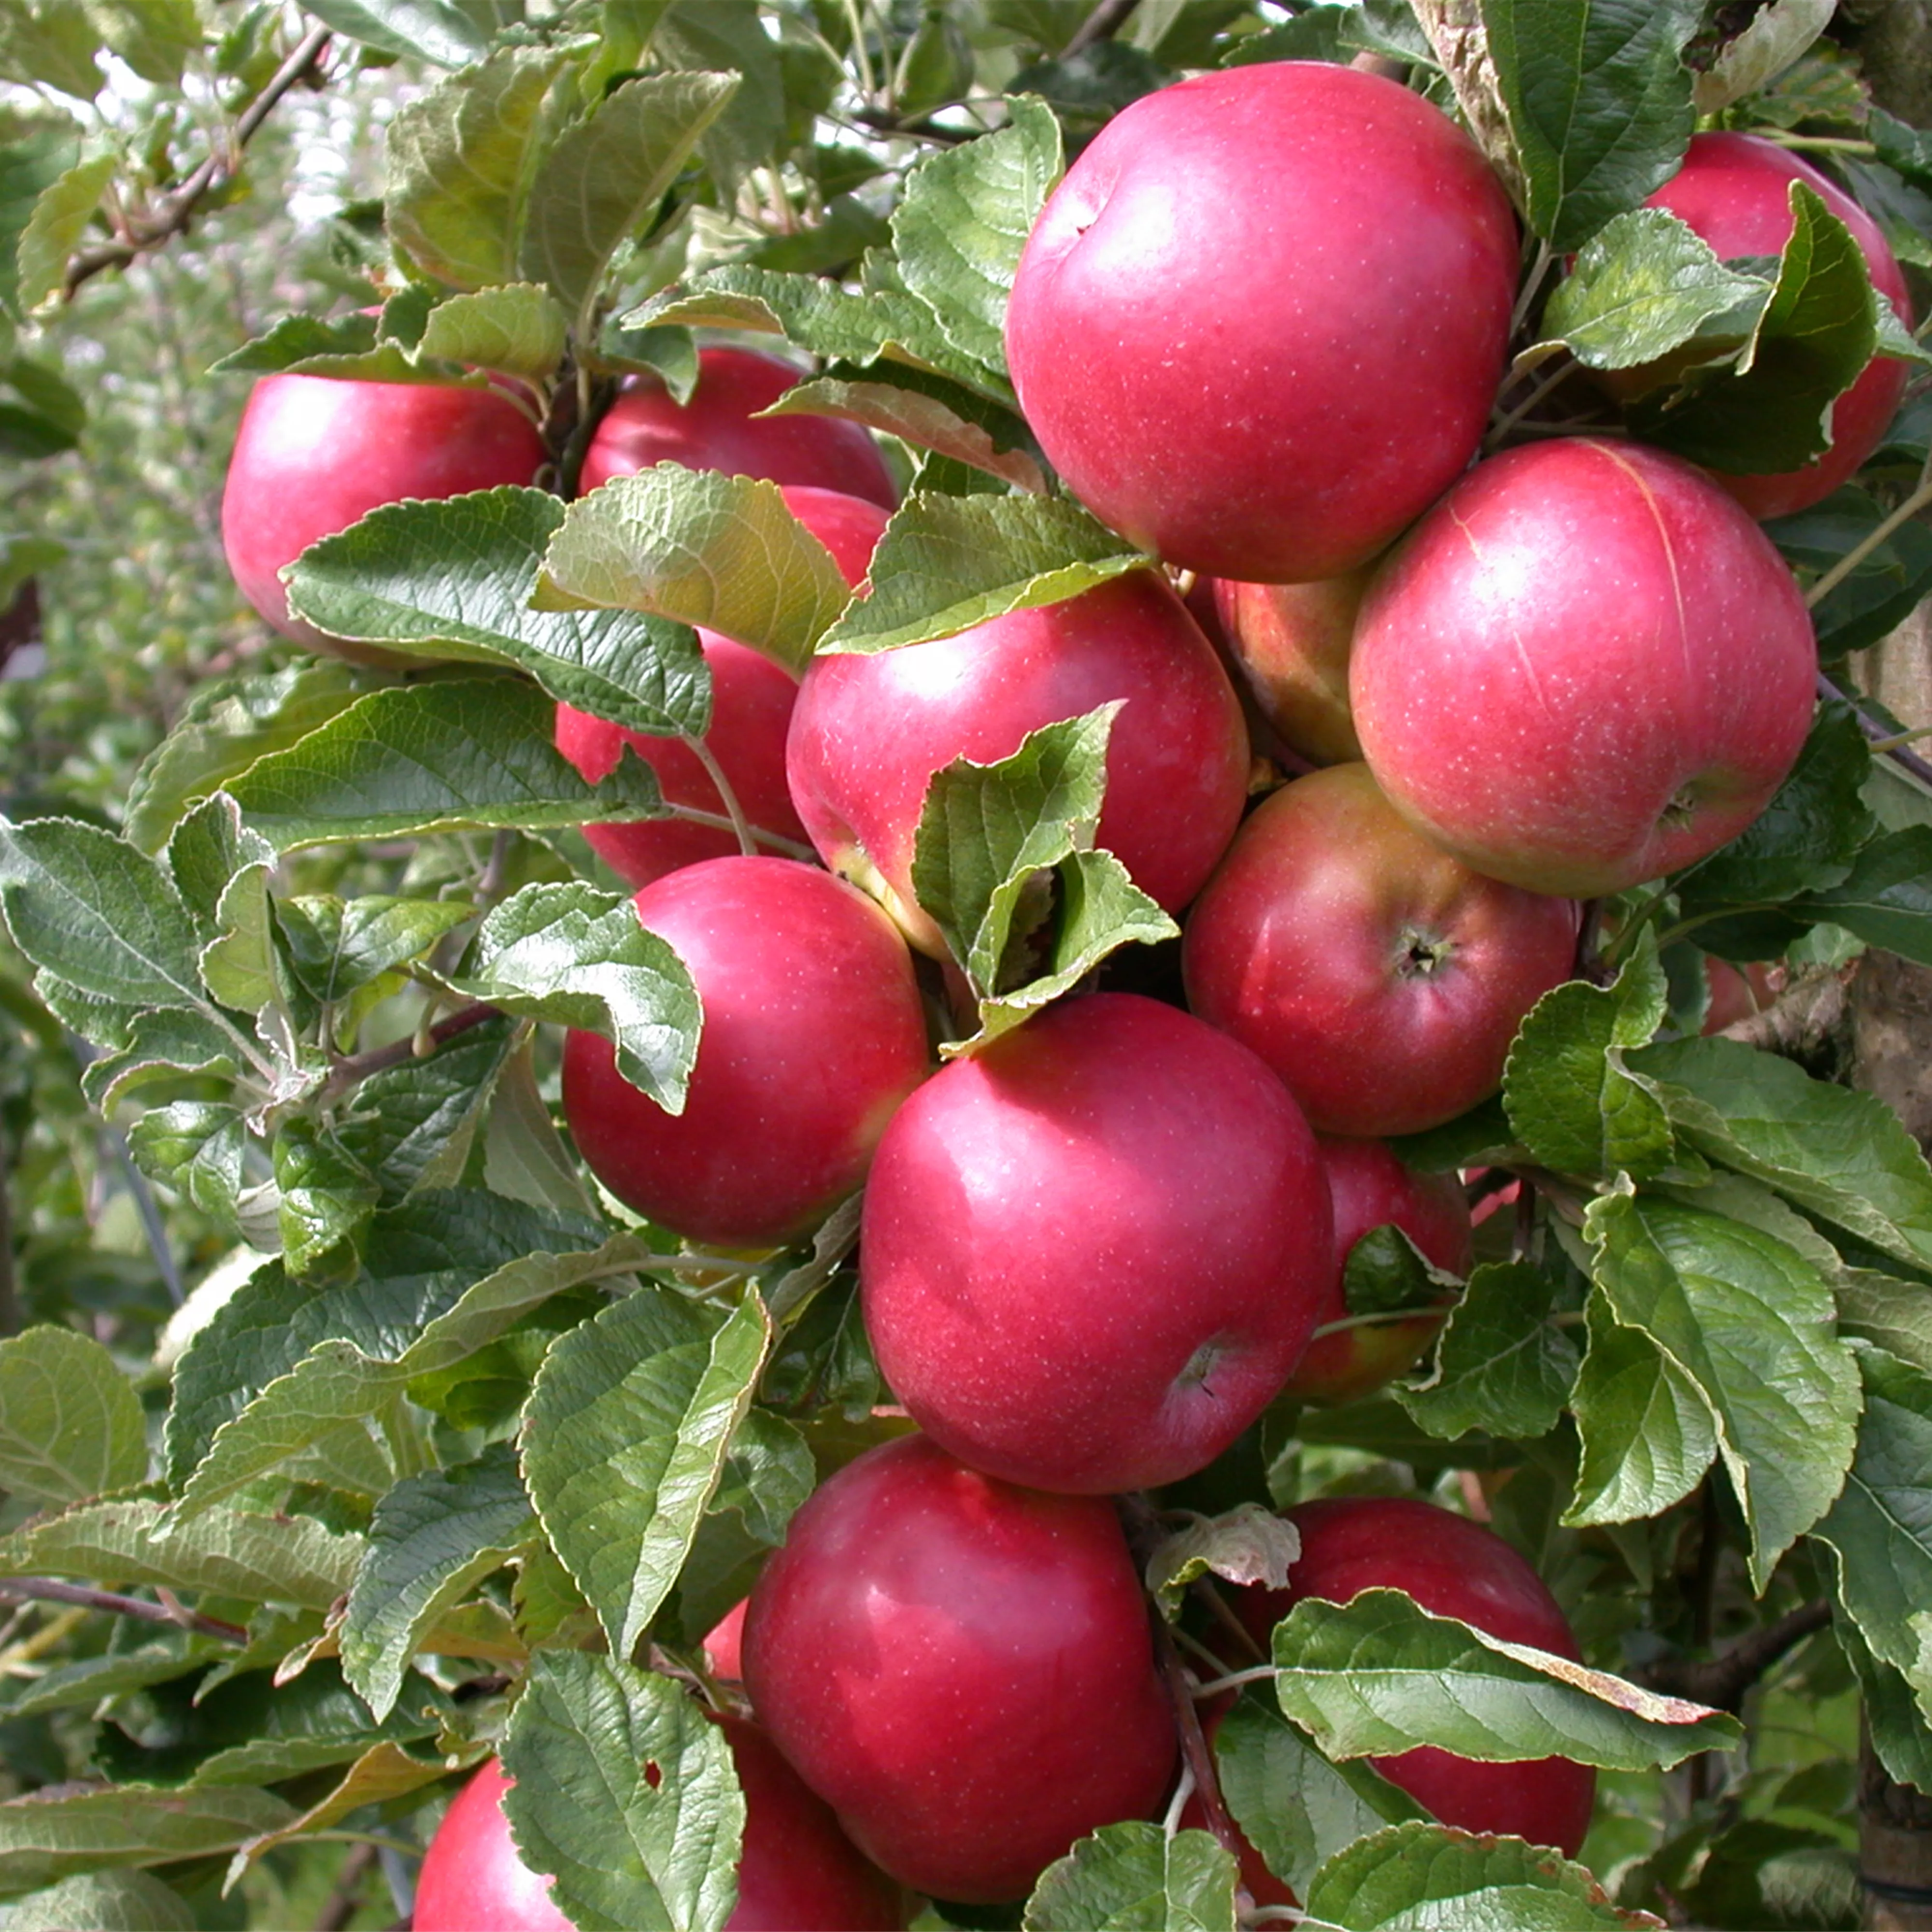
[[1235, 1680], [788, 848], [713, 770], [1381, 1318], [1532, 283], [1184, 1790], [1566, 366], [1196, 1755]]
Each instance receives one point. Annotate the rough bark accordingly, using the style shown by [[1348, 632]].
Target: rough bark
[[1893, 39]]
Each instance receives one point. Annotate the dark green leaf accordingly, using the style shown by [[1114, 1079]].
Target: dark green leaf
[[1747, 1317], [455, 579], [1885, 589], [1386, 1273], [1502, 1366], [327, 1197], [629, 1853], [728, 37], [628, 1427], [433, 1537], [449, 755], [411, 1125], [1886, 897]]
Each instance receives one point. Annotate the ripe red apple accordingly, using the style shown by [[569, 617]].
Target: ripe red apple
[[1586, 667], [1371, 1187], [962, 1669], [723, 1646], [1290, 642], [752, 700], [720, 428], [1381, 979], [1734, 189], [798, 1872], [1092, 1253], [1258, 326], [315, 454], [1452, 1567], [813, 1034], [869, 733], [1736, 991]]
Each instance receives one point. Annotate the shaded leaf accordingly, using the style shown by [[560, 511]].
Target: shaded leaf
[[1132, 1877], [71, 1424], [1501, 1366]]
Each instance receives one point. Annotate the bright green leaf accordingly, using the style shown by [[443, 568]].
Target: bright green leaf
[[1132, 1877], [441, 31]]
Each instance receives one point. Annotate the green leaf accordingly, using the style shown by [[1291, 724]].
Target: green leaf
[[226, 726], [337, 946], [88, 1682], [1895, 1315], [929, 410], [1772, 411], [822, 318], [1881, 1525], [464, 161], [411, 1125], [1570, 1098], [117, 1901], [1748, 1317], [157, 38], [1906, 149], [455, 578], [518, 329], [441, 32], [53, 41], [1890, 1708], [701, 548], [90, 909], [1840, 1155], [626, 1433], [209, 854], [1807, 837], [1247, 1544], [1886, 897], [296, 340], [1379, 1675], [1418, 1877], [71, 1422], [628, 1853], [1645, 284], [55, 228], [1648, 1433], [1751, 61], [259, 1559], [44, 1839], [159, 1045], [768, 1474], [449, 755], [602, 180], [964, 218], [434, 1537], [30, 164], [327, 1197], [993, 839], [1132, 1877], [1598, 100], [1502, 1367], [421, 1261], [524, 1157], [1385, 1272], [578, 957], [728, 37], [1296, 1808], [946, 563]]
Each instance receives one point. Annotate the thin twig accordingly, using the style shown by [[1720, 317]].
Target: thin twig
[[1102, 24], [1722, 1680], [174, 211], [46, 1589], [355, 1067], [1194, 1751], [346, 1899], [1881, 735], [1919, 499]]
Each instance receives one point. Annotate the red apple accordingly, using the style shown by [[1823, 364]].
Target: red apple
[[1380, 978], [1093, 1252], [814, 1033], [1290, 641], [798, 1872], [1736, 991], [724, 1644], [1372, 1188], [720, 428], [752, 700], [962, 1669], [1586, 668], [1734, 189], [869, 733], [1452, 1567], [315, 454], [1259, 327]]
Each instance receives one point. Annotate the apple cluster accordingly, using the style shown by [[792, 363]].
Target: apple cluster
[[1258, 330]]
